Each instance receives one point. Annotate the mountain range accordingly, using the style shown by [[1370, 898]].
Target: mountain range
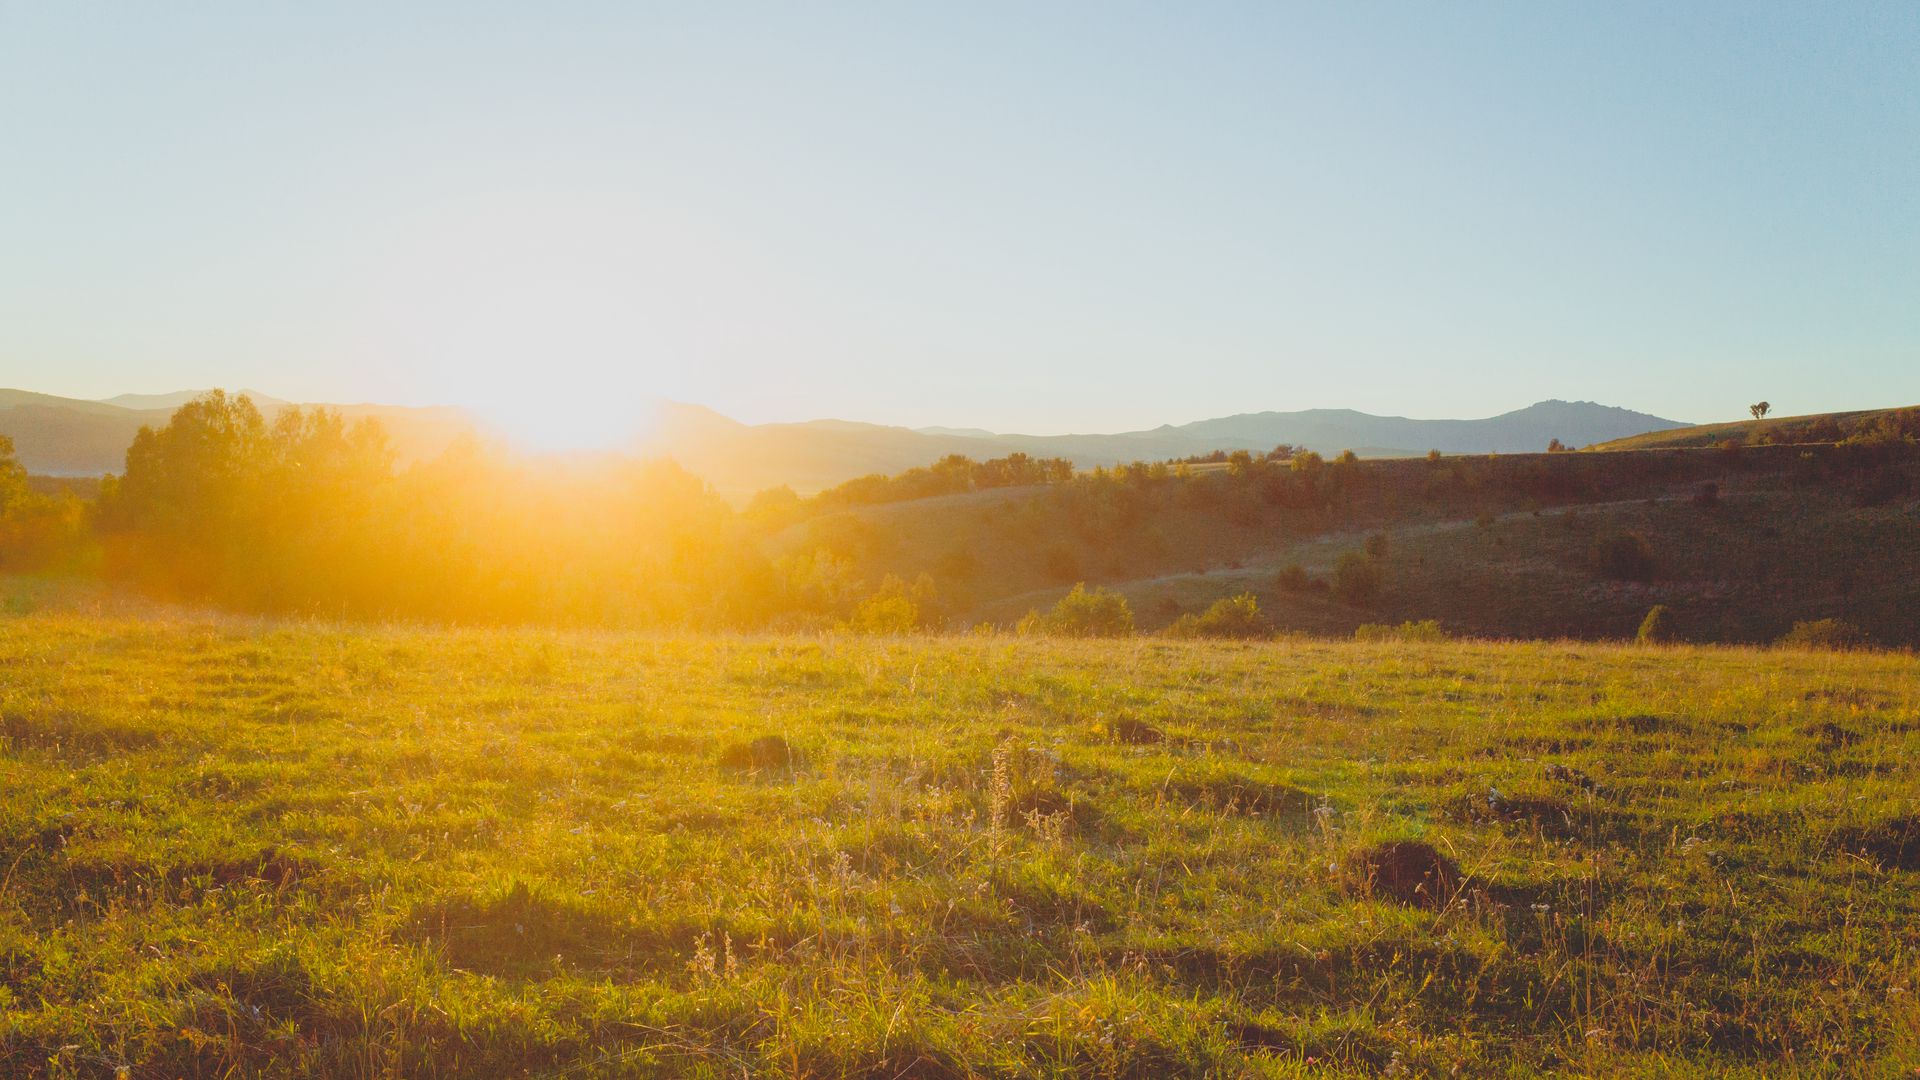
[[737, 457], [72, 437]]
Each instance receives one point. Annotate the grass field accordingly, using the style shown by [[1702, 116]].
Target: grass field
[[244, 848]]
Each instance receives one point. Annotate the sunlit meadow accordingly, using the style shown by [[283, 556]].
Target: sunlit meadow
[[305, 849]]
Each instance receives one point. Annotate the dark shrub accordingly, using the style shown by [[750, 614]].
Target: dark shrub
[[1624, 557], [1356, 578], [1293, 579]]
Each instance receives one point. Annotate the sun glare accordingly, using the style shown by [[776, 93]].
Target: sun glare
[[558, 424]]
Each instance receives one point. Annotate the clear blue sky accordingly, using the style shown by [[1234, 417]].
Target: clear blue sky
[[1021, 216]]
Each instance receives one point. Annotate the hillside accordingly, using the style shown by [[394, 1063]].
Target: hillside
[[1811, 428], [56, 436], [59, 436], [1742, 545]]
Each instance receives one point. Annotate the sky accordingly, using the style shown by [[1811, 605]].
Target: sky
[[1025, 217]]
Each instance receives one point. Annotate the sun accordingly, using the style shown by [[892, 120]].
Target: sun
[[544, 422]]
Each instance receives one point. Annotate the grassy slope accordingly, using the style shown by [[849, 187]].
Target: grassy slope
[[310, 850], [1746, 431], [1787, 542], [1768, 555]]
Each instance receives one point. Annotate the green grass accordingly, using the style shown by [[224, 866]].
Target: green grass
[[239, 848]]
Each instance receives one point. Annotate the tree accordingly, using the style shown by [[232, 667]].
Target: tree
[[1293, 579], [1356, 578], [1624, 556], [1555, 446], [1760, 409]]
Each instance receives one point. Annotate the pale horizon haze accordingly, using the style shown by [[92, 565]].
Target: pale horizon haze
[[1038, 218]]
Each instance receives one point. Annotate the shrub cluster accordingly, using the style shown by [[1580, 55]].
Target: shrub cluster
[[1825, 634], [1234, 617], [1083, 613], [1424, 630]]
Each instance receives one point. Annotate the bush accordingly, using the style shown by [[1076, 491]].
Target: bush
[[1657, 627], [1293, 579], [1356, 578], [885, 614], [1424, 630], [1235, 617], [1099, 613], [1825, 634], [895, 608], [1624, 557]]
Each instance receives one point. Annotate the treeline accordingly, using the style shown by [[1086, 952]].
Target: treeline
[[957, 474], [308, 514], [954, 474]]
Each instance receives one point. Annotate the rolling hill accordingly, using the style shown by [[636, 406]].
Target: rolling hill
[[1811, 428], [1742, 546]]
